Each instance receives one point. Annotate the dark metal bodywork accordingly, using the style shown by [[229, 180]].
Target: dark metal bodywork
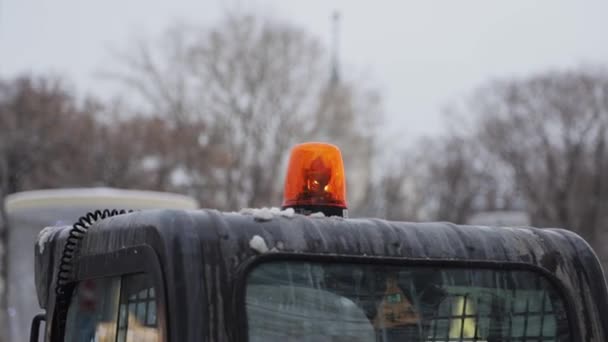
[[201, 259]]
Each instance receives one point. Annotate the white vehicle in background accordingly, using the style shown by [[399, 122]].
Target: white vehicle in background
[[30, 211]]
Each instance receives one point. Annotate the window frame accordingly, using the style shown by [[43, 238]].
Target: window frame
[[240, 288], [120, 263]]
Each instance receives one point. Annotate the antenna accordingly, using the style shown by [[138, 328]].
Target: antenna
[[335, 64]]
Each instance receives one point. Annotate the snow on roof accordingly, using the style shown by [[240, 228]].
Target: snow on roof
[[258, 244], [44, 236], [97, 197], [266, 214]]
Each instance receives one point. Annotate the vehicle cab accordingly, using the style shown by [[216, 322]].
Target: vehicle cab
[[289, 275]]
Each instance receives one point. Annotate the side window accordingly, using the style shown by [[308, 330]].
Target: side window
[[137, 313], [93, 310], [117, 309]]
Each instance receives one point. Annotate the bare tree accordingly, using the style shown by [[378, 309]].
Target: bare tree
[[257, 85], [444, 178], [49, 139], [551, 131]]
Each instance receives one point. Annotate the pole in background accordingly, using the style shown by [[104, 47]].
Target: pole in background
[[335, 64]]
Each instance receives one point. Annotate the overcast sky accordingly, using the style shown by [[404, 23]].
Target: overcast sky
[[422, 54]]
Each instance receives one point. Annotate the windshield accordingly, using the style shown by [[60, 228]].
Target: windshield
[[301, 301]]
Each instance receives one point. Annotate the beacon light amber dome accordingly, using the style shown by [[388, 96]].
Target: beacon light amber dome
[[315, 177]]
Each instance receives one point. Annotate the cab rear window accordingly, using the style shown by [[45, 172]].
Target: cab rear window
[[302, 301]]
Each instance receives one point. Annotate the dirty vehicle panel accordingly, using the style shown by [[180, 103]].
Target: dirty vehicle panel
[[210, 276]]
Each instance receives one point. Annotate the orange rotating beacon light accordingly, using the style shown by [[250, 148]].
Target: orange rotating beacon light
[[315, 180]]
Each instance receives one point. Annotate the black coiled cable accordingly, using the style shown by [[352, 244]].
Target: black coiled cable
[[77, 233], [65, 285]]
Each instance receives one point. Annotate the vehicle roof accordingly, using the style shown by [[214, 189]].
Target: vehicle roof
[[216, 246]]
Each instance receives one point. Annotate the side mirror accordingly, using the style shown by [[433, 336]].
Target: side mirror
[[35, 330]]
